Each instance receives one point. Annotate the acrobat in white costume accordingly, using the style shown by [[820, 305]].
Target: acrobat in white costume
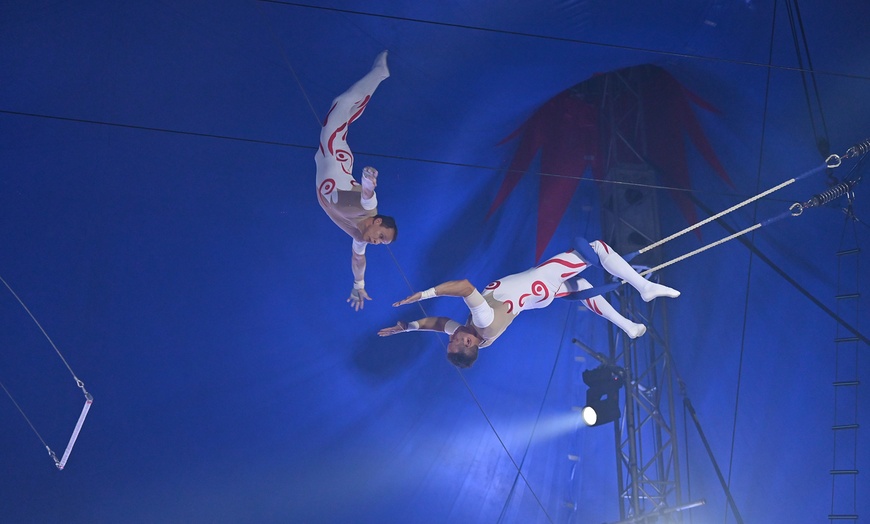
[[557, 277], [351, 206], [503, 300], [334, 159]]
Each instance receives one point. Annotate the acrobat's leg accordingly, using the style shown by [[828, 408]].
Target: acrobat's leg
[[346, 108], [618, 267], [602, 308], [535, 288]]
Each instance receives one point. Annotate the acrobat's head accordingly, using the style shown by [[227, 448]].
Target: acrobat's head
[[463, 347], [380, 230]]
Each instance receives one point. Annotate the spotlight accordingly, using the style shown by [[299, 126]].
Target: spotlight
[[602, 397]]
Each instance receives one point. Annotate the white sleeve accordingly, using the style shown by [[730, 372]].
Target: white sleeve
[[482, 314], [451, 326], [359, 247], [369, 203]]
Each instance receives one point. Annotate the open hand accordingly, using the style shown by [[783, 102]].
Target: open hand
[[357, 299], [400, 327], [410, 300]]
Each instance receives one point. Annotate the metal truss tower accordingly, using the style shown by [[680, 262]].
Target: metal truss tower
[[647, 455]]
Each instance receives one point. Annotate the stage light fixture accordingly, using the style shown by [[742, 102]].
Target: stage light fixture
[[602, 397]]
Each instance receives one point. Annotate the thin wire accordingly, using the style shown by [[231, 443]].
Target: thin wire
[[768, 66], [540, 411], [65, 363], [150, 128], [474, 397], [818, 97], [751, 260], [25, 417], [374, 155], [287, 62], [799, 57]]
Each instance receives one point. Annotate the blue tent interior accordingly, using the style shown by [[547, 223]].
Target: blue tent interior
[[158, 219]]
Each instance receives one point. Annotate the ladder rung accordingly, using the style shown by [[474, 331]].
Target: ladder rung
[[847, 383], [844, 472], [844, 426], [846, 339], [848, 251], [843, 517], [848, 295]]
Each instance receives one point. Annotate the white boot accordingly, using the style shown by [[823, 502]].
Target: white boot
[[350, 104], [616, 266], [380, 65]]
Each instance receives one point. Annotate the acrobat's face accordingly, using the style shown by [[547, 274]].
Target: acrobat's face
[[462, 340], [376, 233]]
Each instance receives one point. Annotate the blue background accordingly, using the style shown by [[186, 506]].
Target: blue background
[[158, 217]]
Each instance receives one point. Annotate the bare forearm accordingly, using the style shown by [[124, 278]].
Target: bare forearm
[[454, 288], [451, 288], [358, 266], [424, 324], [432, 324]]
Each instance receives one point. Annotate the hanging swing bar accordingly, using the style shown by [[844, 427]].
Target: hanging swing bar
[[89, 399], [75, 434]]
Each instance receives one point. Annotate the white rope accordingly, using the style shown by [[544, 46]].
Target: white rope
[[718, 215], [701, 249], [833, 161]]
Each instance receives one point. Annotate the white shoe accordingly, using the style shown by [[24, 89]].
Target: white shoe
[[637, 331], [381, 64], [651, 290]]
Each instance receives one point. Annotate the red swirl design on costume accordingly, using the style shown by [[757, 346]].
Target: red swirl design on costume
[[362, 107], [590, 303], [539, 289], [574, 266], [493, 285], [327, 186], [345, 157], [510, 305]]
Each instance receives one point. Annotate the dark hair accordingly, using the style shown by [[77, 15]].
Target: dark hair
[[463, 360], [389, 223]]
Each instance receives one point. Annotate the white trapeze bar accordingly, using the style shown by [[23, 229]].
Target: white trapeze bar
[[75, 434]]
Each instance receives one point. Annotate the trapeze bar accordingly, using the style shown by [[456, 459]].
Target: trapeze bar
[[72, 440]]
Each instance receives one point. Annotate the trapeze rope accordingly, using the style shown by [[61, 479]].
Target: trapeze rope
[[89, 399], [796, 209]]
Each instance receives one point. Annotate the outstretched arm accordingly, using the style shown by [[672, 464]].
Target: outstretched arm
[[438, 324], [358, 294], [451, 288]]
